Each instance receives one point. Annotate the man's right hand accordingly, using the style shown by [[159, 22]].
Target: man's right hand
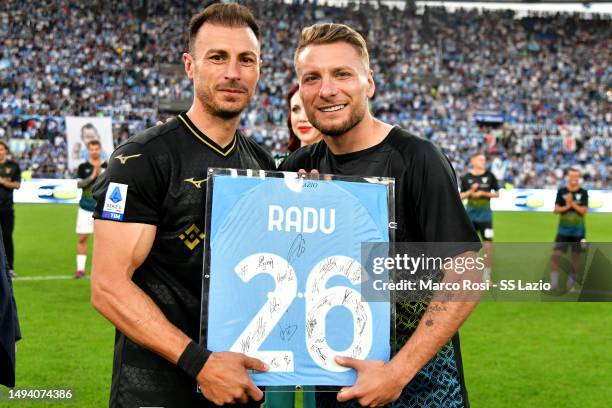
[[224, 378]]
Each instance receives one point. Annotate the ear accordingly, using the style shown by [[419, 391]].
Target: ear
[[371, 84], [188, 61]]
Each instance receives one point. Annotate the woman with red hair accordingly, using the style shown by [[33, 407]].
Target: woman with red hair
[[301, 132]]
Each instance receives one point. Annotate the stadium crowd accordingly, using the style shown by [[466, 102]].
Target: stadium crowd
[[546, 80]]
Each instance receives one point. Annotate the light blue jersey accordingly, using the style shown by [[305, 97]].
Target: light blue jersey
[[285, 276]]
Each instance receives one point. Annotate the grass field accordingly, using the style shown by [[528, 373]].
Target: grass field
[[515, 354]]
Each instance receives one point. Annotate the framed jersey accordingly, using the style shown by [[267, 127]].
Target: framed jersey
[[283, 272]]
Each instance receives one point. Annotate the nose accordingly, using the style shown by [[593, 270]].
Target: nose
[[328, 88], [233, 69]]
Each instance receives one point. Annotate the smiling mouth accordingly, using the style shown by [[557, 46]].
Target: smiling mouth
[[333, 108]]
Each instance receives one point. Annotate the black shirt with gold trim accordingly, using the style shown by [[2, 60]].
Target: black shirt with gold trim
[[158, 178]]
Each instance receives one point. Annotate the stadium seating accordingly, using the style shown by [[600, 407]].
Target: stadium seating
[[442, 75]]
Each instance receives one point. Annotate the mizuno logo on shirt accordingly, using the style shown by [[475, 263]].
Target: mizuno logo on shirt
[[123, 158], [197, 183]]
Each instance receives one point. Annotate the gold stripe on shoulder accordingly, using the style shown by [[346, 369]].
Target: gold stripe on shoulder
[[204, 140]]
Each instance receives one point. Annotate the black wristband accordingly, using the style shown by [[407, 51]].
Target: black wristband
[[193, 359]]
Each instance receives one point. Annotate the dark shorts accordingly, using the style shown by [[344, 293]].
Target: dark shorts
[[485, 229], [564, 242]]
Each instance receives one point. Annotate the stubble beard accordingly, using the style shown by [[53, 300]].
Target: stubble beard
[[355, 117], [209, 103]]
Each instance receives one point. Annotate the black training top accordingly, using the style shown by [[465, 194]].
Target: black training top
[[571, 222], [11, 171], [158, 177], [479, 208], [427, 209]]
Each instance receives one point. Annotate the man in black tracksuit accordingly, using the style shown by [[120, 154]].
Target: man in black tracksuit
[[10, 179]]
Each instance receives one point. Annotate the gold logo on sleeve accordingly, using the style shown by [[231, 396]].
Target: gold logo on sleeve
[[197, 183], [192, 237], [123, 158]]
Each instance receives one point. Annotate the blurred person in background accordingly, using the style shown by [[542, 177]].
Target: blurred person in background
[[478, 186], [301, 132], [10, 179], [87, 174], [572, 204]]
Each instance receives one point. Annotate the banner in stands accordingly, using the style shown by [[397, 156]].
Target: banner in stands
[[543, 200], [80, 130], [48, 191]]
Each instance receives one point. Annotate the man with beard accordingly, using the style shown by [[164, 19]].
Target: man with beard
[[336, 82], [149, 227]]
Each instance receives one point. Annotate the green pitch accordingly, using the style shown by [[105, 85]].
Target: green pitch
[[515, 354]]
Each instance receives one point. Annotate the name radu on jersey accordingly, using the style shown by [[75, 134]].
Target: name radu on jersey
[[301, 220]]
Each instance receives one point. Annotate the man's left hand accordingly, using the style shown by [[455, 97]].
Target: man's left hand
[[377, 383]]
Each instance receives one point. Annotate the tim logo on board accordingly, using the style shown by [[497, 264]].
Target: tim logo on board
[[114, 203]]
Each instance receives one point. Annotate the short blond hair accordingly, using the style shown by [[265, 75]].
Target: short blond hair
[[329, 33]]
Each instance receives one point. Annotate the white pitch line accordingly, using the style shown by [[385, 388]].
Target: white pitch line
[[43, 278]]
